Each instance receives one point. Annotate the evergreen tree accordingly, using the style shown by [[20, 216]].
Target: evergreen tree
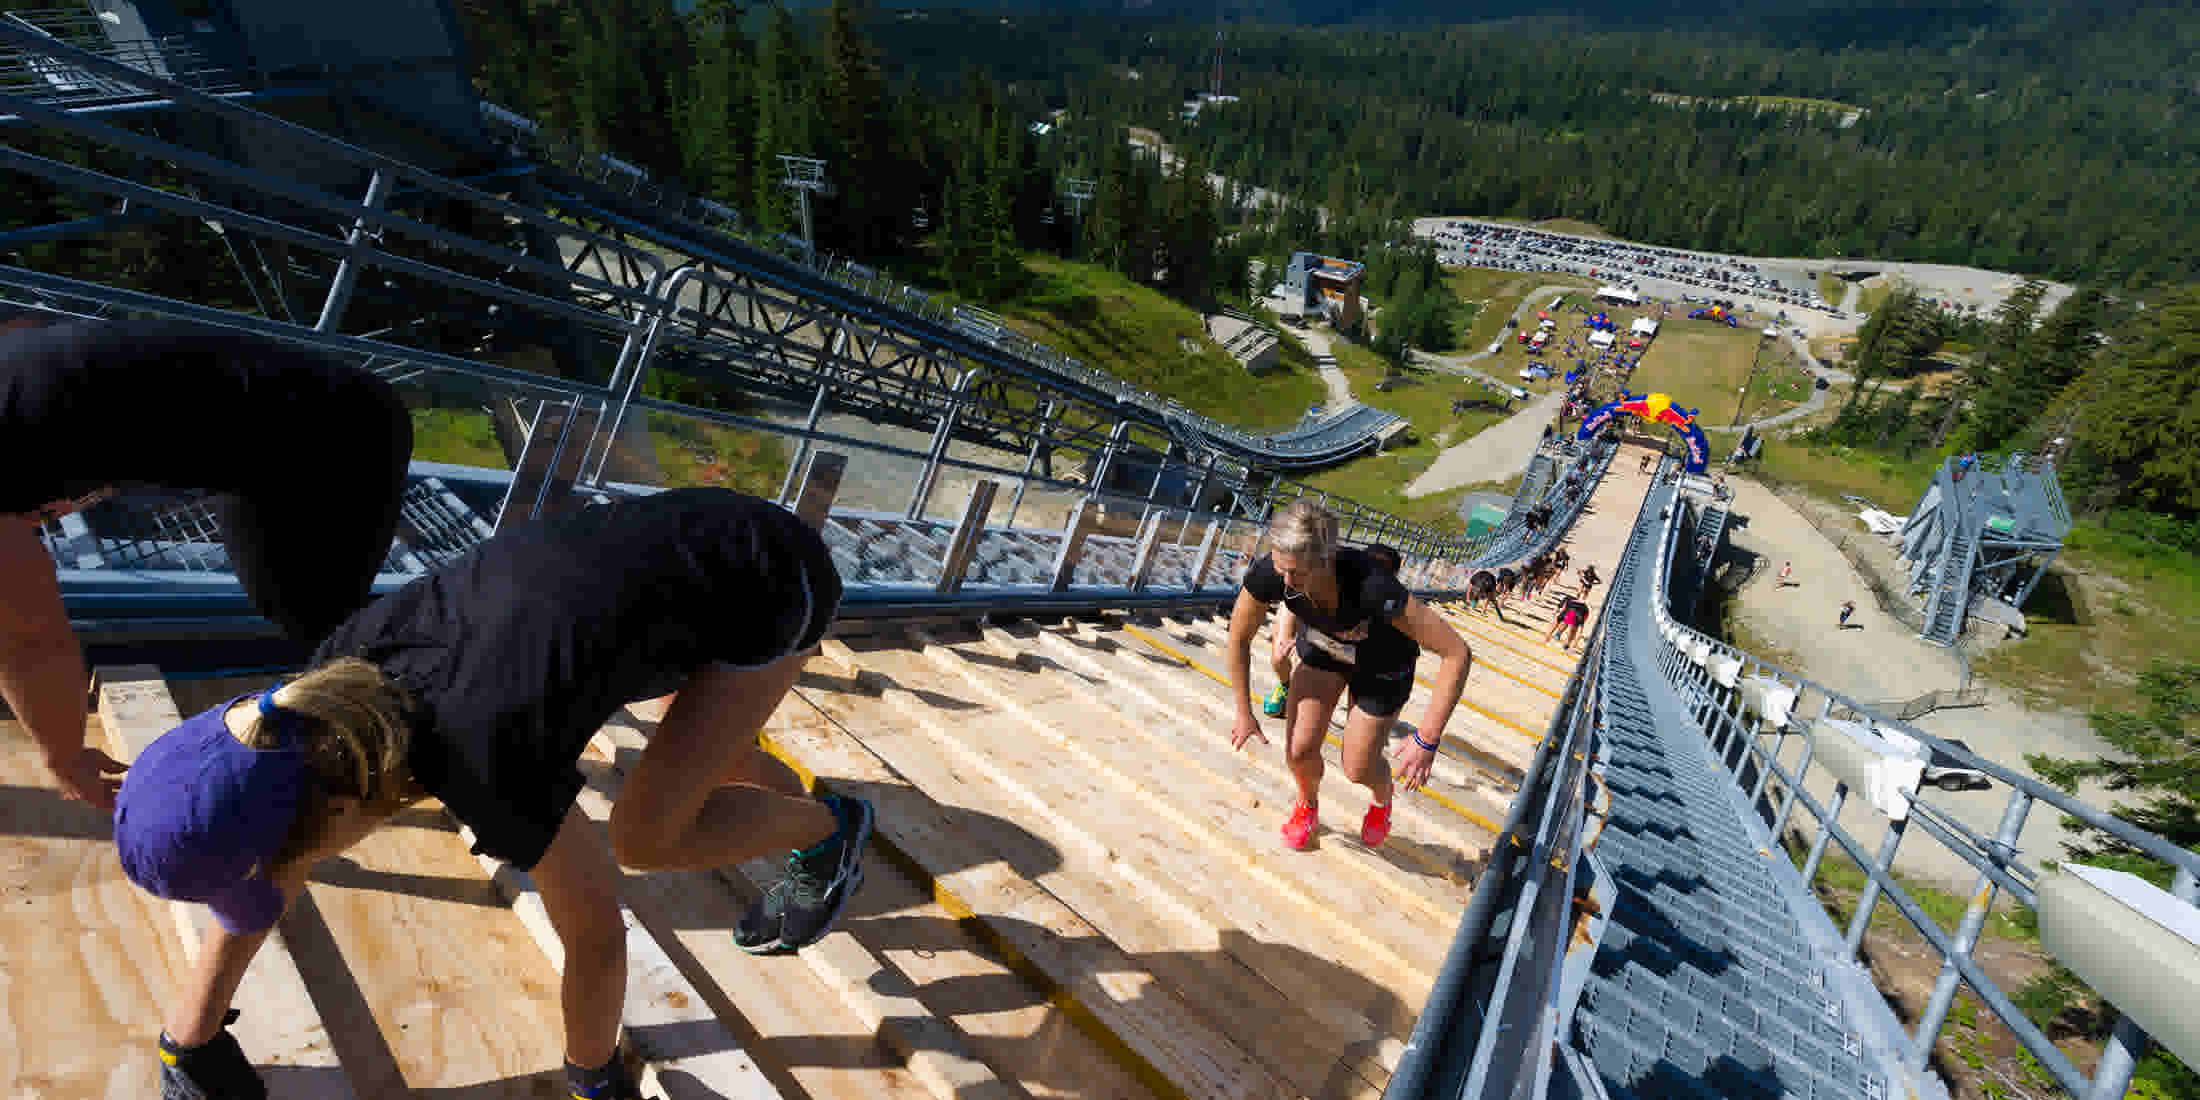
[[871, 196], [1192, 227], [781, 92], [2011, 331], [2159, 758], [2052, 356], [2140, 411], [716, 115], [1890, 337]]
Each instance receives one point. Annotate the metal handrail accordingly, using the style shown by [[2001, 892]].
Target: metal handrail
[[865, 281], [1552, 799], [239, 114], [1711, 672]]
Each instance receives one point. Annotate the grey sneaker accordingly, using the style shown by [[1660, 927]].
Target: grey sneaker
[[801, 907]]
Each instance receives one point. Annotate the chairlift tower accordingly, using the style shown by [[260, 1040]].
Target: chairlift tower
[[804, 175], [1078, 192]]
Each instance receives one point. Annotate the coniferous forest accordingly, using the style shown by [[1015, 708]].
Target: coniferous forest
[[2050, 139]]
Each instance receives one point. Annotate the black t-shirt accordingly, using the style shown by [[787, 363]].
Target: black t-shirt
[[89, 404], [519, 650], [1358, 631]]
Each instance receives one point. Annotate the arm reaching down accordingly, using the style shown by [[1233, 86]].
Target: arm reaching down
[[1245, 621], [42, 674], [1416, 754]]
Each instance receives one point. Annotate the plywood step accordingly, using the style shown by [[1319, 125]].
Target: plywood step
[[436, 970]]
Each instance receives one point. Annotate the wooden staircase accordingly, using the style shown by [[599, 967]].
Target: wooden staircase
[[1077, 889]]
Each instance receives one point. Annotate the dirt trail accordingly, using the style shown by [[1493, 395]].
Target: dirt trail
[[1878, 659]]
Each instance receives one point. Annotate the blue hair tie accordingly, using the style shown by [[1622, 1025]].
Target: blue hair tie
[[283, 722]]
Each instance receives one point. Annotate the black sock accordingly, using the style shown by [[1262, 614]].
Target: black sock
[[602, 1082]]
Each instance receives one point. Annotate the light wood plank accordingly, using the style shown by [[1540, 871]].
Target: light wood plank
[[425, 976], [1180, 1053], [936, 1053], [1479, 795], [1316, 886], [1440, 846], [1480, 726], [1113, 886], [801, 1033], [279, 1024], [686, 1054], [90, 960]]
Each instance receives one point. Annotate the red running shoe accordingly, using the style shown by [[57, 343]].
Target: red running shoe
[[1299, 831], [1375, 827]]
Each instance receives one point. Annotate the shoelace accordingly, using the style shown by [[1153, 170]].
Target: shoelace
[[802, 886]]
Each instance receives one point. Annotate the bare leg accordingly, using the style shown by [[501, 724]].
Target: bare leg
[[1313, 699], [1365, 738], [579, 884], [705, 794]]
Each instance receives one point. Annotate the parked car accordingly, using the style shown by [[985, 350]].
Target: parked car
[[1949, 774]]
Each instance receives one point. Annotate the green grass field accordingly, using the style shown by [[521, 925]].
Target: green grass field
[[461, 437], [689, 452], [1558, 225], [1798, 103], [1423, 398], [1138, 335], [1832, 471], [2111, 605], [693, 453], [1869, 299], [1497, 294], [1703, 365]]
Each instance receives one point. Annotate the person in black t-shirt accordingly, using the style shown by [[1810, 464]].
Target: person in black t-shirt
[[308, 454], [481, 684], [1481, 586], [1358, 628]]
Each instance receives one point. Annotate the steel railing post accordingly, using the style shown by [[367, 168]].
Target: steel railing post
[[802, 449], [1974, 919], [347, 271], [820, 484], [940, 436], [1825, 830], [1039, 442], [1869, 900]]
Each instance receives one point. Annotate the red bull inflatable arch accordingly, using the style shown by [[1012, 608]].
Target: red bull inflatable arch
[[1657, 408]]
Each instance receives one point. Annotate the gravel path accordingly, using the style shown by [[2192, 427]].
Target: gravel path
[[1316, 339], [1494, 454], [1879, 659]]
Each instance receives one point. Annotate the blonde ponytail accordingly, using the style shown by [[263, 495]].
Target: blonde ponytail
[[1305, 529], [350, 720]]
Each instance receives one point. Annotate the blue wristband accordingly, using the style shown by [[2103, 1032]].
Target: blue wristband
[[1417, 740]]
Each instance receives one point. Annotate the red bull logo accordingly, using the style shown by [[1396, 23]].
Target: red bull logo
[[1659, 408], [1656, 408]]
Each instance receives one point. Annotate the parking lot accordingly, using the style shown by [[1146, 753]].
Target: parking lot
[[1785, 290]]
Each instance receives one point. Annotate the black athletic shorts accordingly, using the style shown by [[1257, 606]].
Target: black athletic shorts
[[1379, 687], [517, 651], [304, 455]]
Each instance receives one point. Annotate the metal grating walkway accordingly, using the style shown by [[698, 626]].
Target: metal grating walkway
[[1705, 984]]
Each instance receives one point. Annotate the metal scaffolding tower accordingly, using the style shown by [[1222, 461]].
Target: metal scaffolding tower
[[1981, 538]]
